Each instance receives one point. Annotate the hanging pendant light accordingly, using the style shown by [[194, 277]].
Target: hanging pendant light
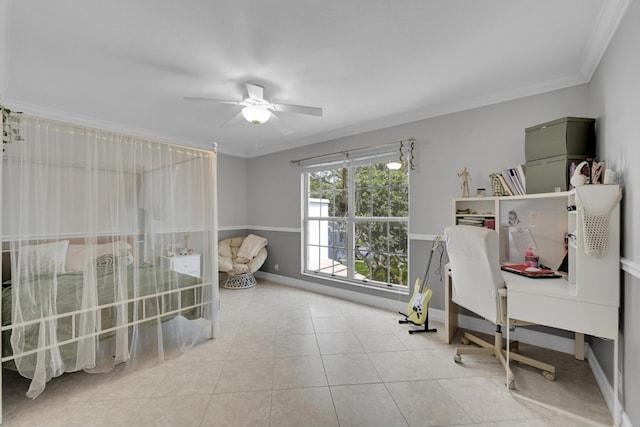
[[394, 165], [255, 114]]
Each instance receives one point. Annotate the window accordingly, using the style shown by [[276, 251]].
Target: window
[[356, 222]]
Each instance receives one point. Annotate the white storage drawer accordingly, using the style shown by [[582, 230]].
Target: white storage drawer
[[186, 264]]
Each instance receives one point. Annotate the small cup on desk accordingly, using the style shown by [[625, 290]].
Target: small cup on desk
[[531, 260]]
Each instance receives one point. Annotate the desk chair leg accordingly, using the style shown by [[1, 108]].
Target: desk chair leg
[[484, 347], [548, 371], [510, 382]]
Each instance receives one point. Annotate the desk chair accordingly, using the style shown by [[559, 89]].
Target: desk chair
[[478, 286]]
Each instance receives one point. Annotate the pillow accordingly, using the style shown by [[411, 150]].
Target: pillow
[[225, 264], [76, 258], [45, 258], [106, 255], [110, 254], [224, 249], [250, 247]]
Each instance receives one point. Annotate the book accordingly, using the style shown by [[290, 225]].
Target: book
[[522, 176], [509, 181], [471, 221], [513, 172], [503, 181]]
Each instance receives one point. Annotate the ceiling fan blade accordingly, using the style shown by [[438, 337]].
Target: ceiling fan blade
[[300, 109], [279, 125], [219, 101], [255, 91], [236, 118]]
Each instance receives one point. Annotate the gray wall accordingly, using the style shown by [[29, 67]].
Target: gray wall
[[232, 191], [615, 102], [484, 139]]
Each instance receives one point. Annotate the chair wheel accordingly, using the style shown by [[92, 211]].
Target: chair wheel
[[457, 358], [464, 341], [549, 375], [511, 384]]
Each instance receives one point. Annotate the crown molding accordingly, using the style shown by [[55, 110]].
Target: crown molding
[[609, 19], [607, 23], [429, 112], [80, 120]]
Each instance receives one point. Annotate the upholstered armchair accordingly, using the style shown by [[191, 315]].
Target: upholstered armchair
[[239, 258]]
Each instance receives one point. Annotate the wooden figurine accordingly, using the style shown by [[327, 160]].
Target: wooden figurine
[[465, 182]]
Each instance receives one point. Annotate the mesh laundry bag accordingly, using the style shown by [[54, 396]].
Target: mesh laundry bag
[[596, 228]]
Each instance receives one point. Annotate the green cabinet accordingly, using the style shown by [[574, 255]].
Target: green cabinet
[[551, 147], [548, 175]]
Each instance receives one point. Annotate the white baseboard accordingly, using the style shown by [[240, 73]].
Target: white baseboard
[[606, 388], [345, 294], [539, 339]]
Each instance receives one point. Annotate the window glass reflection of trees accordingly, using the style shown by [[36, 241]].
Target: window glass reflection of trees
[[378, 223]]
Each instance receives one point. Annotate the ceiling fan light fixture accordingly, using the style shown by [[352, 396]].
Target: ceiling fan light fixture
[[255, 114]]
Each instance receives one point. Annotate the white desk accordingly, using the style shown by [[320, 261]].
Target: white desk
[[548, 302], [588, 303], [556, 303]]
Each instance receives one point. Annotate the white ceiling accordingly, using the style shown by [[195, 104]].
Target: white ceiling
[[126, 65]]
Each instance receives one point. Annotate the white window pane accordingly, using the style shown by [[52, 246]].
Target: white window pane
[[377, 247]]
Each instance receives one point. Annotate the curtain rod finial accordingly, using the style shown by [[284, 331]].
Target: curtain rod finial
[[215, 146]]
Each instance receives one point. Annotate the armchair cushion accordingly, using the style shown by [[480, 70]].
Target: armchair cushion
[[224, 249], [225, 264], [250, 247], [240, 268]]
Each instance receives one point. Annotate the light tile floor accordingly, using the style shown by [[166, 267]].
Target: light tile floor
[[288, 357]]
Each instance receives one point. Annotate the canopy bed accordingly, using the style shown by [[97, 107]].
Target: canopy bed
[[87, 217]]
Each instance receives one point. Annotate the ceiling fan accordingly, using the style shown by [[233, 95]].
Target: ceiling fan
[[256, 109]]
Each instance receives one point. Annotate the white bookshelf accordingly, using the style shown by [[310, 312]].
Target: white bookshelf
[[591, 288]]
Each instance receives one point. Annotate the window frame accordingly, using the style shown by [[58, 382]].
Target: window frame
[[351, 219]]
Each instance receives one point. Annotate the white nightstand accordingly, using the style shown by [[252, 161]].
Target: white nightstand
[[185, 264]]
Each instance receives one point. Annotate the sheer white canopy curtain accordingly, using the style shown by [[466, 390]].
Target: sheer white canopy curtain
[[90, 221]]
